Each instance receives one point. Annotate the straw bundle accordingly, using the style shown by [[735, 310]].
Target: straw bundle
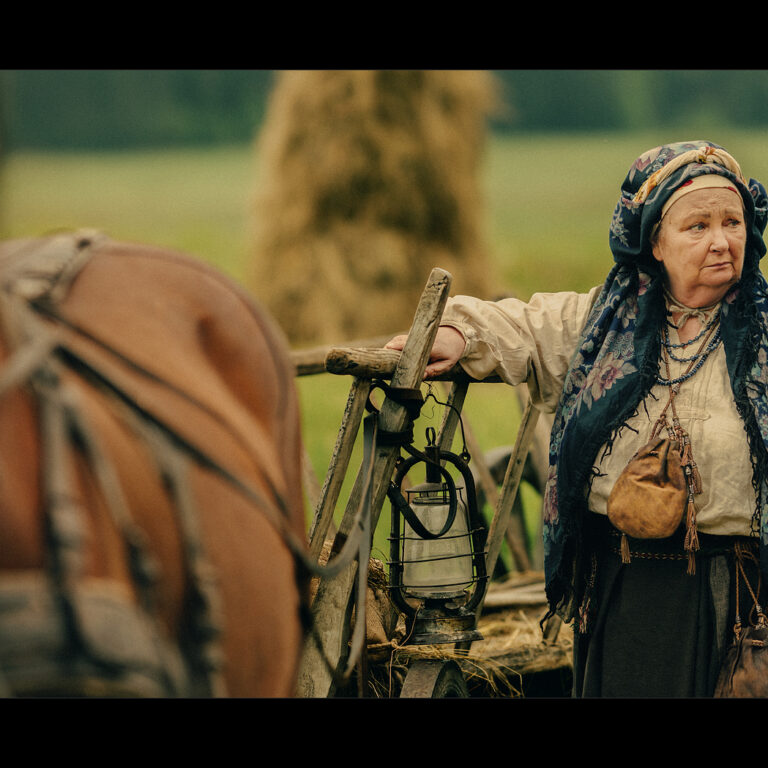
[[496, 666], [369, 179], [512, 646], [512, 649]]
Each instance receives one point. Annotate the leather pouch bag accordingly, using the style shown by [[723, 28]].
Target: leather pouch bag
[[648, 500], [744, 673]]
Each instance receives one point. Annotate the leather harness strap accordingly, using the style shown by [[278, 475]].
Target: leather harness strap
[[114, 645]]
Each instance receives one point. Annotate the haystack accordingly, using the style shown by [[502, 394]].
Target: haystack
[[368, 180]]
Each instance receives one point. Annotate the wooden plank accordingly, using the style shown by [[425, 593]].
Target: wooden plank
[[331, 603], [450, 422], [312, 360], [511, 484], [368, 363], [538, 458], [381, 363], [527, 660], [309, 478], [533, 594], [514, 536], [552, 629], [337, 469]]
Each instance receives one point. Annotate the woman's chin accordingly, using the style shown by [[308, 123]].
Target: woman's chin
[[706, 293], [722, 280]]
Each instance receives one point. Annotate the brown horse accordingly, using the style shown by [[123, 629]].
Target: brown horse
[[151, 512]]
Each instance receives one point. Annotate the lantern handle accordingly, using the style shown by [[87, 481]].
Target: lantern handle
[[430, 394], [399, 502]]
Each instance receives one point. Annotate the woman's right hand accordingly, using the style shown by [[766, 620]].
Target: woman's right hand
[[446, 351]]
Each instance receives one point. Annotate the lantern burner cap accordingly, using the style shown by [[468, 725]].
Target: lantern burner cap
[[432, 626]]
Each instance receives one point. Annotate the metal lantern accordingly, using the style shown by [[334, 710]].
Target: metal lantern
[[437, 557]]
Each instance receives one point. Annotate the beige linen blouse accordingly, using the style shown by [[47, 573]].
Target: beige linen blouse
[[534, 342]]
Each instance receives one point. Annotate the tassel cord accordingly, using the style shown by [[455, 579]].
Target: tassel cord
[[740, 556], [676, 430]]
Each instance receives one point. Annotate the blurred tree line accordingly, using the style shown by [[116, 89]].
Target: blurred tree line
[[113, 109]]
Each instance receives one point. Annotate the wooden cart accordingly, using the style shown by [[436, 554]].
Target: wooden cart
[[329, 643]]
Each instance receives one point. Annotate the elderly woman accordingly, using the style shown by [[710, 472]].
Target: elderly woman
[[673, 345]]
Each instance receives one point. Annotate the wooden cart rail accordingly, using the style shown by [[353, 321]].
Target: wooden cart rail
[[405, 370]]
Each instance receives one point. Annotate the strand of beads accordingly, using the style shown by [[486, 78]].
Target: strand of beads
[[700, 358], [669, 345]]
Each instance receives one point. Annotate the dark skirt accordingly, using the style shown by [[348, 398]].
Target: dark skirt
[[658, 631]]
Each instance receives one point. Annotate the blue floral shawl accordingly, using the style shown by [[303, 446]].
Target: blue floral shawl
[[617, 359]]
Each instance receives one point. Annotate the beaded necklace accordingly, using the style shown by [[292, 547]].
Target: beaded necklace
[[710, 333], [671, 345], [698, 359], [710, 339]]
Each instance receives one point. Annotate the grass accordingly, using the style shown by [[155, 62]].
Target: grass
[[549, 201], [194, 201]]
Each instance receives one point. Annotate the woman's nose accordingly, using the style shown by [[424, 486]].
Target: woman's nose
[[718, 242]]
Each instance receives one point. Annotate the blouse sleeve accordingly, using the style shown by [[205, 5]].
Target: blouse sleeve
[[532, 342]]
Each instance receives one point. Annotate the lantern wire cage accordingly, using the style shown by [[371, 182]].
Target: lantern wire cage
[[437, 547]]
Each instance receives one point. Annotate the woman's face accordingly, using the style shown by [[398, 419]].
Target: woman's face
[[701, 244]]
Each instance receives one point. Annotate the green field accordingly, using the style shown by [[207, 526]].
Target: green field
[[548, 200]]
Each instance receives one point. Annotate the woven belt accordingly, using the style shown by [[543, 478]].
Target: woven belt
[[672, 549]]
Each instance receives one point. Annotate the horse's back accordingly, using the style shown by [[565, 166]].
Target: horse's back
[[187, 407]]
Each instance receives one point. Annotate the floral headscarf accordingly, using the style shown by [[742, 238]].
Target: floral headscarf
[[617, 360], [654, 176]]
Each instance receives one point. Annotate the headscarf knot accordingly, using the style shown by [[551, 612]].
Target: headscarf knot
[[702, 155]]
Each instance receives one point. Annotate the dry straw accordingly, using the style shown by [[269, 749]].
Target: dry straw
[[512, 646], [368, 179], [511, 638]]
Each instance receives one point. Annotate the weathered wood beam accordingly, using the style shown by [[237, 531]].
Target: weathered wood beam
[[337, 470], [312, 360], [380, 363], [514, 473]]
